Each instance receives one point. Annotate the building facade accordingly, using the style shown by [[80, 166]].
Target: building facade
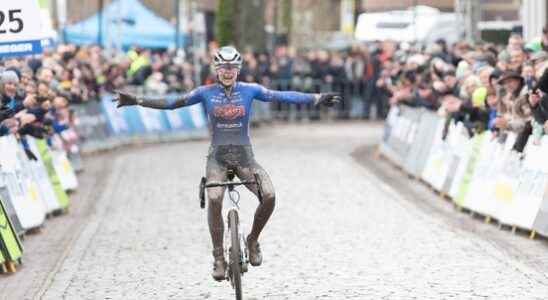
[[385, 5], [81, 9]]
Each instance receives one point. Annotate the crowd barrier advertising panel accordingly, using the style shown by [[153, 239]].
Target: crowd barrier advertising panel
[[500, 178], [9, 180], [10, 246], [479, 197], [90, 122], [533, 186], [480, 173], [10, 211], [115, 118], [45, 154], [197, 116], [412, 138], [463, 187], [64, 170], [538, 158], [463, 169], [136, 120], [42, 177], [30, 210], [420, 143], [506, 189], [458, 141], [390, 123], [398, 133], [30, 181], [154, 120], [437, 165], [428, 129], [133, 119]]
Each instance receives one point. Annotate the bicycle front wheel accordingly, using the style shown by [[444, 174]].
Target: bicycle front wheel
[[235, 253]]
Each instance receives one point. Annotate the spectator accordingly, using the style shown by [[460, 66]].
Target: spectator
[[11, 100]]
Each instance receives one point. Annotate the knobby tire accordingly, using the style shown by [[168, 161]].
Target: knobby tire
[[235, 254]]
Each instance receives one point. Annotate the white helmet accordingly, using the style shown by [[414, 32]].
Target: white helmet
[[227, 55]]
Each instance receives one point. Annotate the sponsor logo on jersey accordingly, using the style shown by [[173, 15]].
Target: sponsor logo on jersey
[[229, 126], [229, 111]]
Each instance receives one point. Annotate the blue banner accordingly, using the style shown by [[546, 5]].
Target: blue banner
[[136, 120], [20, 48], [133, 119], [115, 118]]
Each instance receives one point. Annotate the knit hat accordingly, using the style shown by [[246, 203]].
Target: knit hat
[[9, 76]]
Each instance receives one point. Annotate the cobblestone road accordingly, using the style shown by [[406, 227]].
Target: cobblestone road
[[339, 231]]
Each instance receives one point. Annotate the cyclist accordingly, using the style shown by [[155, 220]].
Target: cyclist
[[228, 107]]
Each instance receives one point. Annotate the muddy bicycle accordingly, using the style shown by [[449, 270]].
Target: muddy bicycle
[[235, 242]]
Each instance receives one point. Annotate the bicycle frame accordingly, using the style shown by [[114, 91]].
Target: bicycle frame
[[230, 184], [234, 210], [244, 255]]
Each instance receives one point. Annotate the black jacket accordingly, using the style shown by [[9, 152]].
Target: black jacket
[[7, 110], [540, 111]]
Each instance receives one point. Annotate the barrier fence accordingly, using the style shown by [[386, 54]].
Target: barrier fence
[[481, 174], [101, 125], [31, 190], [359, 98]]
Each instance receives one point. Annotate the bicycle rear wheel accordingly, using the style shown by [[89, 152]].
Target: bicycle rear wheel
[[235, 253]]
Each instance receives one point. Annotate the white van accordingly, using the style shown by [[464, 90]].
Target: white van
[[421, 24]]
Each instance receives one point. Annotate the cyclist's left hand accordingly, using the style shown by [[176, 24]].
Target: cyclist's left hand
[[328, 99]]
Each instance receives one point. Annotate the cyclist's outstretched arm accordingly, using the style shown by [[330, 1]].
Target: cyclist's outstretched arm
[[266, 95], [160, 102]]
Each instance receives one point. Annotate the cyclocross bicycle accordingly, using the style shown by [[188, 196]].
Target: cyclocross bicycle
[[235, 242]]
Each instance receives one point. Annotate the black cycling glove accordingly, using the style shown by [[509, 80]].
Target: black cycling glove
[[328, 99], [124, 99]]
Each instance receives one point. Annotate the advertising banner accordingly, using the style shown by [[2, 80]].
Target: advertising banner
[[41, 175], [137, 120], [45, 154], [20, 28], [22, 192], [64, 170], [10, 246], [115, 117]]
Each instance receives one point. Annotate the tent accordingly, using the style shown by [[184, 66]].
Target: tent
[[125, 23]]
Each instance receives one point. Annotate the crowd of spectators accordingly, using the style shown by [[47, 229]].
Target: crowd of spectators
[[502, 89], [487, 87], [352, 72], [36, 90]]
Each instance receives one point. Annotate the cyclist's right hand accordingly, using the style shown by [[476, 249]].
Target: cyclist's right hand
[[124, 99]]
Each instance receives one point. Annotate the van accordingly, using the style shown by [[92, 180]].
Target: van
[[422, 24]]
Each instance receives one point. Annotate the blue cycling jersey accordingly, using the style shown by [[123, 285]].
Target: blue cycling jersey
[[229, 115]]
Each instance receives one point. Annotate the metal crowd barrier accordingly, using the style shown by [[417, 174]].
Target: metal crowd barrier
[[360, 99], [29, 190], [478, 173], [102, 126]]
